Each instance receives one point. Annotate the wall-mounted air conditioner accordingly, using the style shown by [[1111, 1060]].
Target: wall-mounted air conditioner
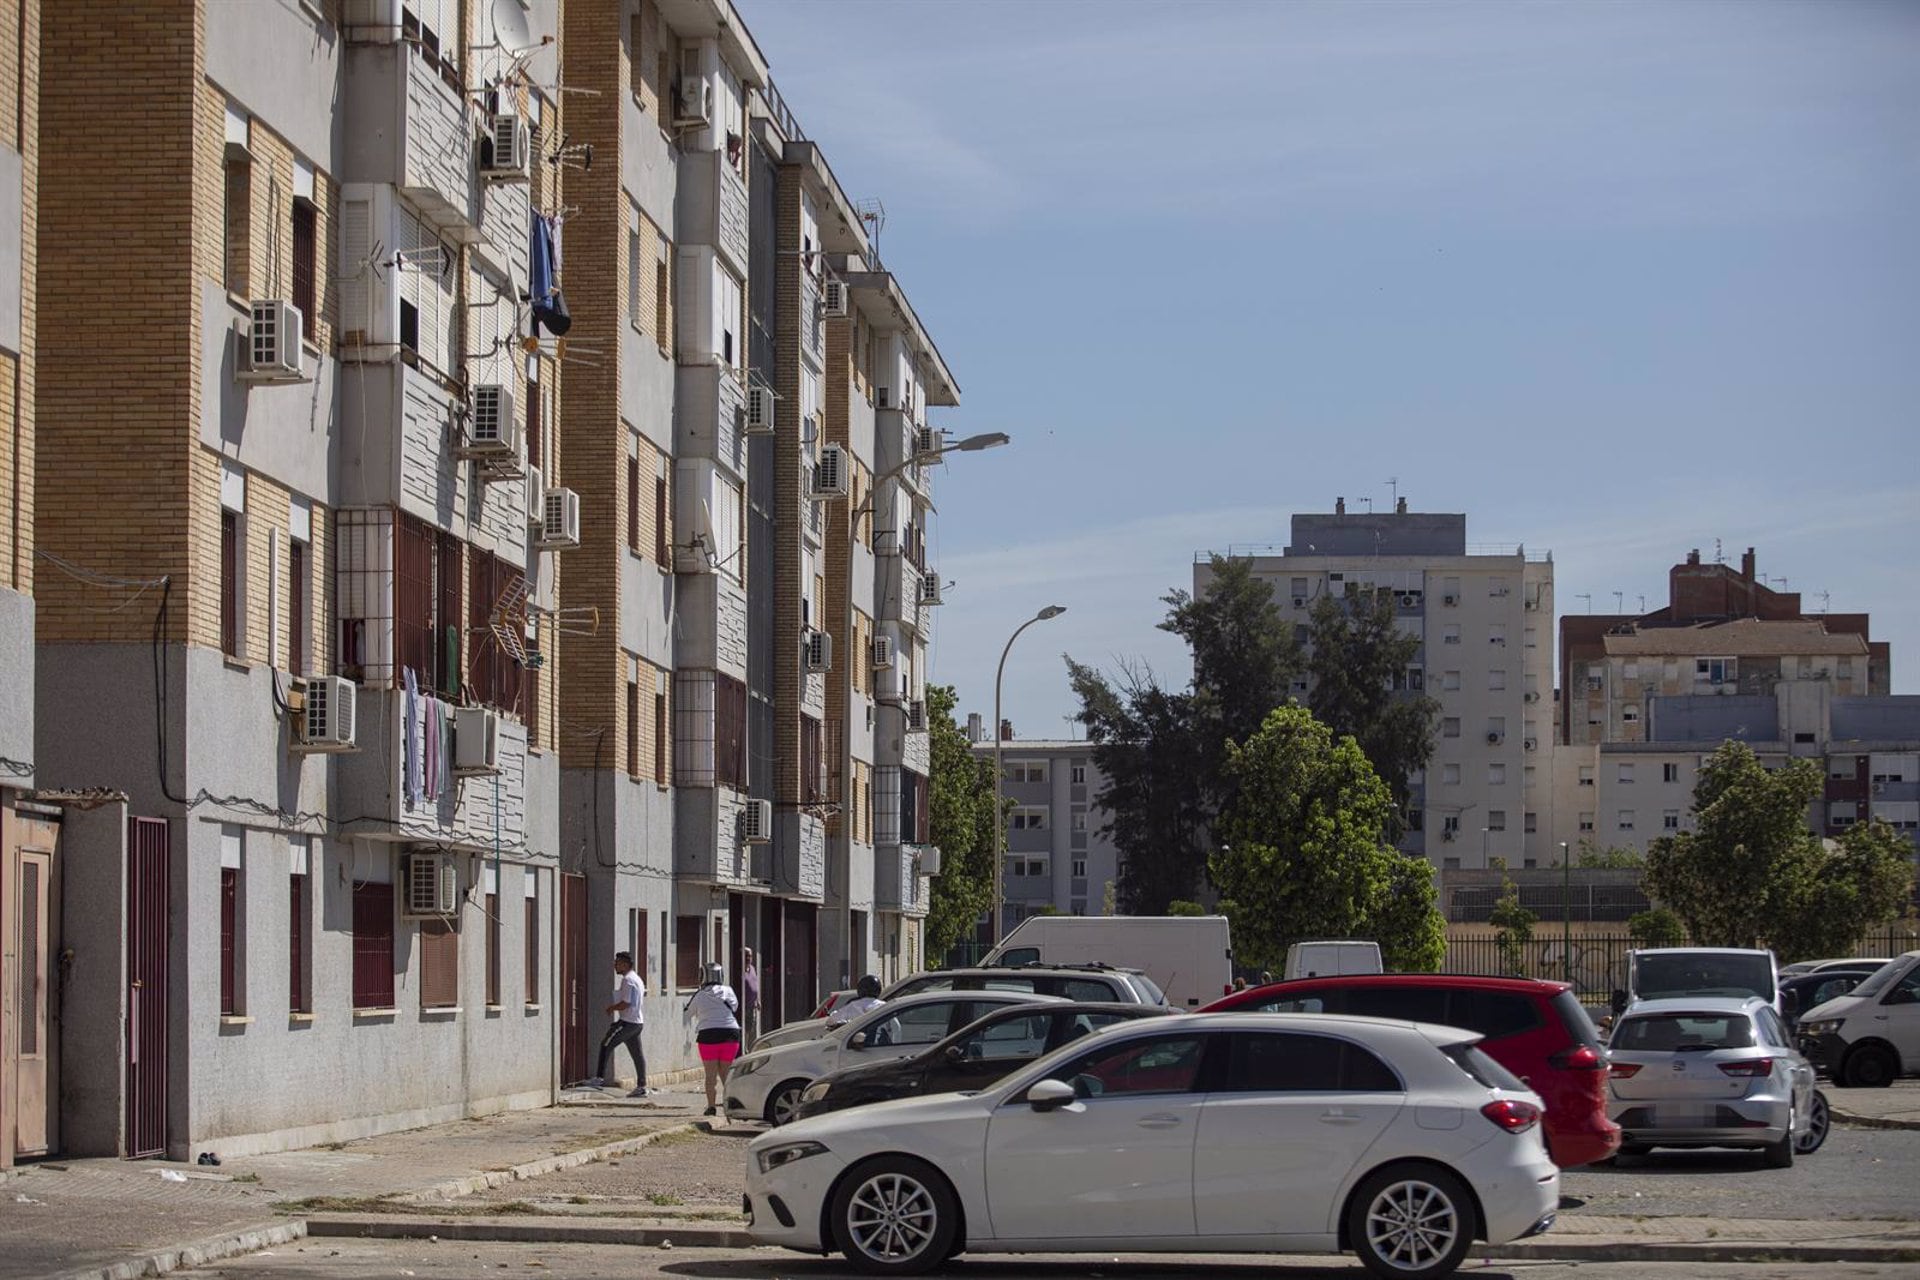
[[1531, 744], [1495, 738], [432, 885], [1533, 697], [560, 519], [882, 652], [536, 487], [929, 592], [274, 328], [916, 716], [833, 299], [928, 856], [926, 443], [326, 722], [476, 740], [1447, 836], [693, 105], [1299, 602], [756, 821], [830, 473], [1450, 600], [505, 155], [493, 432], [816, 651], [760, 401], [1533, 605]]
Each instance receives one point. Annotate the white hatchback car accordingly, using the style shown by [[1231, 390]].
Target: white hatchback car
[[1233, 1133], [767, 1083]]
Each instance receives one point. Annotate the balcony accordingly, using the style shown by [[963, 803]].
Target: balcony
[[475, 814], [407, 127], [813, 326], [710, 415], [708, 847], [897, 882], [897, 586], [798, 856], [711, 207]]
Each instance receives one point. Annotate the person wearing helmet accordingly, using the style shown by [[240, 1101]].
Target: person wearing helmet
[[715, 1011], [866, 996]]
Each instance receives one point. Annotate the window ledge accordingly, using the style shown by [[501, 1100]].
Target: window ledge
[[374, 1015], [531, 1007], [300, 1019], [236, 1020], [235, 664], [445, 1011]]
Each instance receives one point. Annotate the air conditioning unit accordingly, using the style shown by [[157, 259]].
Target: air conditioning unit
[[1299, 602], [916, 716], [493, 432], [509, 148], [432, 885], [928, 856], [476, 740], [1409, 599], [756, 821], [1496, 738], [1533, 606], [693, 105], [1879, 788], [816, 651], [326, 722], [560, 519], [929, 592], [926, 443], [830, 473], [536, 485], [274, 329], [1530, 744], [760, 401], [1449, 600], [882, 652], [1447, 836], [1533, 696], [833, 300]]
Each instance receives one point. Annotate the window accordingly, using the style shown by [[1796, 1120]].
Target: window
[[1586, 775], [1496, 728], [1496, 679], [230, 583], [633, 266], [1298, 587], [813, 788], [1079, 819], [1450, 727], [299, 583], [1803, 738], [299, 963], [1013, 1039], [1079, 775], [1449, 864], [1532, 637], [633, 502], [1630, 714], [1496, 775], [1029, 819], [427, 604], [633, 719], [1626, 774], [1596, 679], [1716, 670], [662, 298], [231, 953], [1264, 1062], [530, 959], [1496, 588], [1669, 773], [306, 253], [1027, 771], [662, 530], [730, 732], [1450, 634], [1586, 821], [492, 675], [686, 951], [239, 207], [661, 748], [1497, 635], [1450, 824], [922, 1024], [1496, 819], [1416, 678], [1626, 820], [1450, 774], [439, 964], [1079, 868], [372, 946], [1670, 820], [1163, 1064], [1450, 680], [1531, 823]]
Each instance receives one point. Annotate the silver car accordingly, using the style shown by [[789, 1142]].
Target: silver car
[[1709, 1071]]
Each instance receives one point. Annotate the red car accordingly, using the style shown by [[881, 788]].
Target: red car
[[1535, 1029]]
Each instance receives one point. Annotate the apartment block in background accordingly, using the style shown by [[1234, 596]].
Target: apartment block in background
[[1483, 619], [300, 465], [1057, 856]]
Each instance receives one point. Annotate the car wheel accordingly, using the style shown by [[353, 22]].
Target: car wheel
[[1818, 1122], [1411, 1222], [1779, 1155], [895, 1216], [1868, 1067], [784, 1101]]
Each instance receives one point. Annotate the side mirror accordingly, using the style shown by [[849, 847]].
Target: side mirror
[[954, 1054], [858, 1040], [1050, 1095], [1619, 1001]]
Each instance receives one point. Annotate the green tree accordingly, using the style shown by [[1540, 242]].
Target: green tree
[[1514, 926], [1302, 852], [1751, 871], [1406, 921], [1184, 907], [1358, 661], [1656, 927], [1592, 857], [960, 823]]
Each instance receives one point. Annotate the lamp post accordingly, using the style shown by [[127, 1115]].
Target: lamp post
[[972, 444], [999, 741], [1485, 861], [1566, 914]]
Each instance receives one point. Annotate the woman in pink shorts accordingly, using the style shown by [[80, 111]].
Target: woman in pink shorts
[[715, 1010]]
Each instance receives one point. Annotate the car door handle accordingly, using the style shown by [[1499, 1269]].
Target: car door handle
[[1339, 1115], [1160, 1120]]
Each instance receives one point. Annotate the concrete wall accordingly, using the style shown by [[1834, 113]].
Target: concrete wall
[[1381, 534], [286, 432], [278, 63], [16, 687], [1710, 720], [1890, 719]]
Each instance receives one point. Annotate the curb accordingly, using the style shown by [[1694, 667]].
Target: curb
[[1673, 1251], [526, 1230], [454, 1188], [1868, 1122], [163, 1261]]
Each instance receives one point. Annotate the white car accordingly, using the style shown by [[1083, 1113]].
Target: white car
[[767, 1083], [1232, 1133]]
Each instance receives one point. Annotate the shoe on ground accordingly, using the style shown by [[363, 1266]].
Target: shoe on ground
[[593, 1082], [641, 1092], [711, 1111]]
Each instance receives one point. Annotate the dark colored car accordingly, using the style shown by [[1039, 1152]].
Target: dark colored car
[[1804, 991], [971, 1058], [1097, 982], [1537, 1030]]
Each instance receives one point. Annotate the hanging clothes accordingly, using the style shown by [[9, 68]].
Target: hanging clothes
[[543, 277], [431, 771], [446, 753], [410, 762]]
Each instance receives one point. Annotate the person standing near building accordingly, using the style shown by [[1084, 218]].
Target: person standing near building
[[629, 991], [715, 1011], [749, 1000]]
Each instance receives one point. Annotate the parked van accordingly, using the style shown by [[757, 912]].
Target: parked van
[[1870, 1036], [1188, 957], [1666, 973], [1331, 959]]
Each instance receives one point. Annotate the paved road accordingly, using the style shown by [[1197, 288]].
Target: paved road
[[339, 1260]]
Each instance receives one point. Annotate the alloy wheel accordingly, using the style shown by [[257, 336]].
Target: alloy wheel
[[786, 1101], [1411, 1225], [892, 1217], [1818, 1123]]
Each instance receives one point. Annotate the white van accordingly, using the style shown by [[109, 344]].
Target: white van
[[1330, 959], [1665, 973], [1870, 1036], [1188, 957]]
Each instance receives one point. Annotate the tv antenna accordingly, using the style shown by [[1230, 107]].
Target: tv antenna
[[1826, 599], [1393, 483], [1719, 556], [1588, 597], [1619, 602]]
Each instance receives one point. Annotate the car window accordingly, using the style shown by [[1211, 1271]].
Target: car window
[[1772, 1031], [1296, 1002], [1010, 1039], [1831, 989], [1573, 1016], [922, 1024], [1494, 1014], [1701, 973], [1288, 1062], [1163, 1064], [1074, 1025], [914, 986], [1877, 981], [1683, 1032], [1907, 990], [1019, 956], [1482, 1068], [1405, 1003], [1008, 984], [1086, 989]]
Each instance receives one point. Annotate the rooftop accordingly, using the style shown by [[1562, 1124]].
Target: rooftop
[[1742, 637]]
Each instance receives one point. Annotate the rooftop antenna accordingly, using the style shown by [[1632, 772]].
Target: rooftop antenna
[[1826, 598], [1619, 602], [1719, 556], [1393, 483], [1643, 603], [874, 214], [1369, 502], [1588, 597], [1072, 721]]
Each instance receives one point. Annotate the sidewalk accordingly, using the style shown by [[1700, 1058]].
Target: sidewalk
[[115, 1218], [1895, 1107]]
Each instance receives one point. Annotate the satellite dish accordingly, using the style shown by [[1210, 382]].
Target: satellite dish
[[510, 30]]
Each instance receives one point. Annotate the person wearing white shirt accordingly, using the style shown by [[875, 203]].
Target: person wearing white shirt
[[866, 996], [629, 991], [715, 1011]]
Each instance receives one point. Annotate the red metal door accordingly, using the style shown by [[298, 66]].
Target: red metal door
[[575, 1033], [773, 963], [149, 853], [801, 961]]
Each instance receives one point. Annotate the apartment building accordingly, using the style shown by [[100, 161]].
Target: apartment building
[[296, 676], [1646, 698], [29, 1107], [1482, 617], [1058, 858]]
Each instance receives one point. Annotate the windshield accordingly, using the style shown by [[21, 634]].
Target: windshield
[[1670, 974], [1683, 1033], [1880, 978]]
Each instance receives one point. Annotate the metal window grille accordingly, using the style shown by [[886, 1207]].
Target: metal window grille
[[305, 258], [297, 944], [373, 946], [493, 948], [297, 583], [229, 582], [530, 970], [229, 942]]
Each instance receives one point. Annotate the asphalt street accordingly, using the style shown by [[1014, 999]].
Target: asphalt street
[[328, 1260]]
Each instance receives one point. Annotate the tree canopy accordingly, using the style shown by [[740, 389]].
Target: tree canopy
[[960, 820]]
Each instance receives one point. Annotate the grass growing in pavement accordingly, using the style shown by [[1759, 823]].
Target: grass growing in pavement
[[663, 1198]]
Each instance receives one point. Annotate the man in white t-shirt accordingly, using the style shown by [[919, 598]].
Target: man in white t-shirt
[[629, 990]]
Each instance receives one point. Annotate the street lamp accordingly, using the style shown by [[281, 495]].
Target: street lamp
[[999, 741], [1566, 914], [972, 444]]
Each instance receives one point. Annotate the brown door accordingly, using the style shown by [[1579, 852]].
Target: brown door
[[799, 961], [773, 979], [149, 851], [575, 1033]]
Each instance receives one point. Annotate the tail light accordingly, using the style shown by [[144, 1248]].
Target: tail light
[[1580, 1057], [1748, 1067], [1512, 1114], [1624, 1070]]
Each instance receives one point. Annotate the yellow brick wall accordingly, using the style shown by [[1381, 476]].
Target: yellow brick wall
[[652, 238], [20, 129]]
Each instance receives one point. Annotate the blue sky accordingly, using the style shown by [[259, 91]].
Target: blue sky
[[1614, 279]]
